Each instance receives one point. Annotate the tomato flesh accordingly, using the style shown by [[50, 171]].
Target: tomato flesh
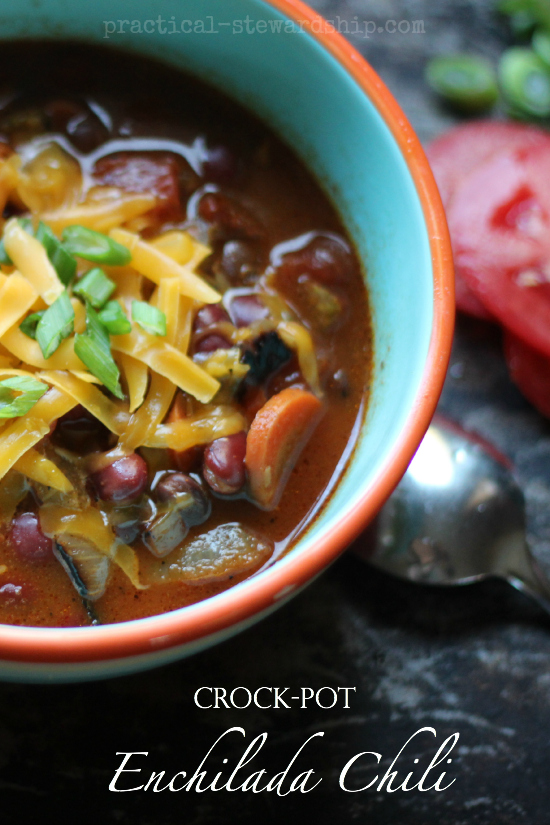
[[457, 153], [500, 222]]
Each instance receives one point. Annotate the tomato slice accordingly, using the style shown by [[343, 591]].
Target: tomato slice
[[458, 152], [530, 371], [466, 300], [500, 222]]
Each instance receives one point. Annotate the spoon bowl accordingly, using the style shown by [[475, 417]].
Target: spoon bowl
[[457, 517]]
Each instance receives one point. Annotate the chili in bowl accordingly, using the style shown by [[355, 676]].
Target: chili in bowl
[[207, 386]]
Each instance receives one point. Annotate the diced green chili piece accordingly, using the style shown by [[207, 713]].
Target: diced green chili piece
[[465, 81], [149, 318], [28, 326], [525, 82], [18, 394], [95, 287], [94, 350], [114, 319], [56, 324], [62, 261], [94, 246]]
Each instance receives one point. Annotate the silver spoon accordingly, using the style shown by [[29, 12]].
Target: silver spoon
[[457, 517]]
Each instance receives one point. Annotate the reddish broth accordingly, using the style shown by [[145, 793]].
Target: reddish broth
[[258, 197]]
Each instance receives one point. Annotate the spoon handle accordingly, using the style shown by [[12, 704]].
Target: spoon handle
[[533, 582]]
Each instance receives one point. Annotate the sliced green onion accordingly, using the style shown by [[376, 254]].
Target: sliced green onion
[[525, 82], [63, 262], [55, 325], [19, 394], [28, 326], [5, 259], [541, 45], [26, 224], [94, 350], [467, 82], [94, 246], [95, 287], [114, 319], [149, 317], [525, 14]]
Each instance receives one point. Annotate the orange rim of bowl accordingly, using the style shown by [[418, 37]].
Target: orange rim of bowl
[[257, 595]]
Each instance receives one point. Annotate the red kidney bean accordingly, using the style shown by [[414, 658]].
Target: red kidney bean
[[211, 342], [60, 112], [230, 218], [86, 132], [209, 315], [193, 511], [220, 164], [223, 464], [239, 259], [326, 260], [246, 309], [84, 129], [123, 481], [28, 540]]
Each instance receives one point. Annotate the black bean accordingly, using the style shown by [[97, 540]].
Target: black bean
[[220, 164], [195, 504], [79, 432]]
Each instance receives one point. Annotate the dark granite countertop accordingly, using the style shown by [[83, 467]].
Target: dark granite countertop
[[473, 661]]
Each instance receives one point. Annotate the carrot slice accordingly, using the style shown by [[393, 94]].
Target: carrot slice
[[277, 436]]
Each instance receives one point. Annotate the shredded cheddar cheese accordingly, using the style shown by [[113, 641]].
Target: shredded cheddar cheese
[[156, 265], [118, 345], [30, 258]]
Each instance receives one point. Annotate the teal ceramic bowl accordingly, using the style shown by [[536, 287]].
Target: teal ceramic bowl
[[286, 64]]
